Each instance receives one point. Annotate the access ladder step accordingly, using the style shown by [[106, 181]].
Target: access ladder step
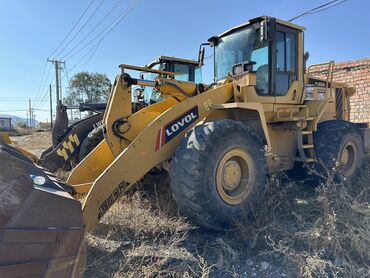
[[306, 159], [307, 146], [305, 132]]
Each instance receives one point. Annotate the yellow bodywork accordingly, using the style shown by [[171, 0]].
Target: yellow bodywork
[[139, 152], [135, 143], [130, 148]]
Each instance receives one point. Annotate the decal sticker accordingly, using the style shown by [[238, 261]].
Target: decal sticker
[[321, 95], [169, 131], [117, 192], [317, 83], [97, 124], [67, 145], [208, 104]]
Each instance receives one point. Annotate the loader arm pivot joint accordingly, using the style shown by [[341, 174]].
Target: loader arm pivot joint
[[129, 80]]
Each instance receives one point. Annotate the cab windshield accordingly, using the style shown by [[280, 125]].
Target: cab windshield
[[239, 46]]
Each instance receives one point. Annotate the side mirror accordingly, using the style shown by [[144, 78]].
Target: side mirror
[[201, 53], [305, 59], [268, 29]]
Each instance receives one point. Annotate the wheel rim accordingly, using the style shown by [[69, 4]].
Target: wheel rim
[[234, 178], [348, 158]]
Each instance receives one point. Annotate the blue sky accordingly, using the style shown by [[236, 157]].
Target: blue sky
[[31, 30]]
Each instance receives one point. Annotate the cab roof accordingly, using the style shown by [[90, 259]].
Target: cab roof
[[260, 18], [172, 59]]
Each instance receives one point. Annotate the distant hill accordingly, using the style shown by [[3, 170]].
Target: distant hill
[[16, 119]]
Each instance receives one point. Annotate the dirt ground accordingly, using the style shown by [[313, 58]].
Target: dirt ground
[[306, 228], [35, 143]]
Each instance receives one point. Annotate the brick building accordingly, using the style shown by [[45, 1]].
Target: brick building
[[355, 73]]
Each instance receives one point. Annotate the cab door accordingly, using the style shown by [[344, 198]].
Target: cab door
[[287, 81]]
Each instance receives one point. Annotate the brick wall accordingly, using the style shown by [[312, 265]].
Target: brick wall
[[355, 73]]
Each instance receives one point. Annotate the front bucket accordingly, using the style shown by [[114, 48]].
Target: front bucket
[[41, 225]]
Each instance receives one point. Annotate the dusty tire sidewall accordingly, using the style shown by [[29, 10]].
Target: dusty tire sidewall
[[220, 207], [329, 142], [200, 151], [357, 141]]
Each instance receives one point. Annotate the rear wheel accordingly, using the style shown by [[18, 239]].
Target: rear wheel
[[339, 146], [218, 173]]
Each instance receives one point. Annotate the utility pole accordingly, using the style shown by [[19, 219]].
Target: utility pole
[[51, 108], [33, 118], [30, 111], [27, 117], [57, 64]]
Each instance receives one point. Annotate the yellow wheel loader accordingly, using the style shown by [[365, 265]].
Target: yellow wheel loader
[[263, 113]]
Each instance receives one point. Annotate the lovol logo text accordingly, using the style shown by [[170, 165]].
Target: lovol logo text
[[173, 128]]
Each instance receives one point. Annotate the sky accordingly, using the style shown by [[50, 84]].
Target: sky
[[30, 31]]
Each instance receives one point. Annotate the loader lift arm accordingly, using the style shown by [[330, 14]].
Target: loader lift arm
[[168, 128]]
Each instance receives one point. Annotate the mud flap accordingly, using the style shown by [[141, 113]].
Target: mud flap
[[41, 225]]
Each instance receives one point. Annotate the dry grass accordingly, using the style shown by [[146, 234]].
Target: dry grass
[[301, 230], [142, 239], [20, 131], [320, 232]]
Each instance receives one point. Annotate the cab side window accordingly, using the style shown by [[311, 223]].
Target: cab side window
[[286, 60], [182, 72]]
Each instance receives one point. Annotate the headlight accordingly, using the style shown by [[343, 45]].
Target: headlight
[[243, 68], [237, 69]]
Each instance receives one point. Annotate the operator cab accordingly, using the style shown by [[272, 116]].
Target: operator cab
[[186, 70], [267, 49]]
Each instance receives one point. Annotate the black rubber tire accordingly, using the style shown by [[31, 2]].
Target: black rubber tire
[[329, 140], [193, 173], [91, 141]]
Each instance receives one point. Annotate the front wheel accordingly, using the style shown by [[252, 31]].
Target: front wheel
[[218, 173]]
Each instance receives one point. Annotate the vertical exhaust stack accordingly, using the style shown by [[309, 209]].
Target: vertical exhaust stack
[[41, 225]]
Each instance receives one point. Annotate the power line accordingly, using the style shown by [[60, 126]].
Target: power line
[[42, 102], [42, 99], [92, 55], [19, 100], [91, 50], [42, 79], [43, 87], [74, 26], [38, 95], [21, 110], [66, 74], [94, 28], [320, 8], [332, 6], [108, 29], [87, 21], [16, 110]]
